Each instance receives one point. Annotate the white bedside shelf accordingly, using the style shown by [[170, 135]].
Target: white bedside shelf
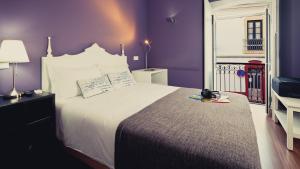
[[282, 117], [289, 119], [157, 76]]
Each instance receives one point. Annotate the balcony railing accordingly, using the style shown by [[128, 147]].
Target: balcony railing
[[230, 77], [247, 79], [254, 45]]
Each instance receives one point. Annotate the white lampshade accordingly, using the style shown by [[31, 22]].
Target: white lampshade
[[13, 51]]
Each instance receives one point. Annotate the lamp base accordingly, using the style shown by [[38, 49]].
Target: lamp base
[[14, 93]]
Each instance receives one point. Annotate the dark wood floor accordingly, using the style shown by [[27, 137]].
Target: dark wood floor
[[271, 142]]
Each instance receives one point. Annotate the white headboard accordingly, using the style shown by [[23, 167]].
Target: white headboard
[[93, 54]]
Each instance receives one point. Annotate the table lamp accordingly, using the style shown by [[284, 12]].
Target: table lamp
[[13, 51], [147, 44]]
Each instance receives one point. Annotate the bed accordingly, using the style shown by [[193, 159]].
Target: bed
[[143, 126]]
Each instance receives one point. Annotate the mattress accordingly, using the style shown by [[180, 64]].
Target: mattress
[[89, 125]]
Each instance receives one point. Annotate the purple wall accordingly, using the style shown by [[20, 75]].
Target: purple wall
[[290, 38], [74, 25], [178, 47]]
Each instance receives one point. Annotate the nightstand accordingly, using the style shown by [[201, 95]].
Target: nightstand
[[27, 128], [156, 76]]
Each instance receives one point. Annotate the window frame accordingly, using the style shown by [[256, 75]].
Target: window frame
[[254, 29], [262, 34]]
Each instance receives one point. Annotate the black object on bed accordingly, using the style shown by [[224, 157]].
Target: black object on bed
[[179, 133]]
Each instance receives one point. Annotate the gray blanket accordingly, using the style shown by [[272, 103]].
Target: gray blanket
[[176, 132]]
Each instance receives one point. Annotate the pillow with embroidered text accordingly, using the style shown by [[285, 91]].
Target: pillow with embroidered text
[[94, 86], [121, 79]]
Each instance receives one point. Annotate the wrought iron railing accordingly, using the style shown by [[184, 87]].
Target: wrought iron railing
[[230, 77], [254, 45], [244, 78]]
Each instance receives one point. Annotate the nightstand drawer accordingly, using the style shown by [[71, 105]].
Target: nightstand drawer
[[41, 134], [41, 109], [12, 118]]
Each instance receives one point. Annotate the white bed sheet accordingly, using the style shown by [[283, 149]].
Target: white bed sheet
[[89, 125]]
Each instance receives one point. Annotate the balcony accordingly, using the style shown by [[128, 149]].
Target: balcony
[[243, 78]]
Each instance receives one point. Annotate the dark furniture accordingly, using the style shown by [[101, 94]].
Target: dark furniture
[[27, 127], [286, 87]]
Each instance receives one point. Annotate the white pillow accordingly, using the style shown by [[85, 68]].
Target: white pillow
[[121, 79], [94, 86], [63, 80]]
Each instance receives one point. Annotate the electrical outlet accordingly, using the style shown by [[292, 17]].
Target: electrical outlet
[[135, 58]]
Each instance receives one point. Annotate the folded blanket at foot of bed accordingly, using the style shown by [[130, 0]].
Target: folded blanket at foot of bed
[[176, 132]]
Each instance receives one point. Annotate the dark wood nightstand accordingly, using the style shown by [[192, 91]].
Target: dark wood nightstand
[[27, 127]]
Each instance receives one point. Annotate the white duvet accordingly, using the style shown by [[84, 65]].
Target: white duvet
[[89, 125]]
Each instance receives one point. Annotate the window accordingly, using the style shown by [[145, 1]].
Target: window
[[255, 35]]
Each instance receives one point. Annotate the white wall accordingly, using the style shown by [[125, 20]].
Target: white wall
[[230, 34]]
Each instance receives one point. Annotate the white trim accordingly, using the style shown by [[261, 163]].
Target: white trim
[[49, 49], [233, 4], [239, 16], [208, 48], [4, 66], [276, 38]]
